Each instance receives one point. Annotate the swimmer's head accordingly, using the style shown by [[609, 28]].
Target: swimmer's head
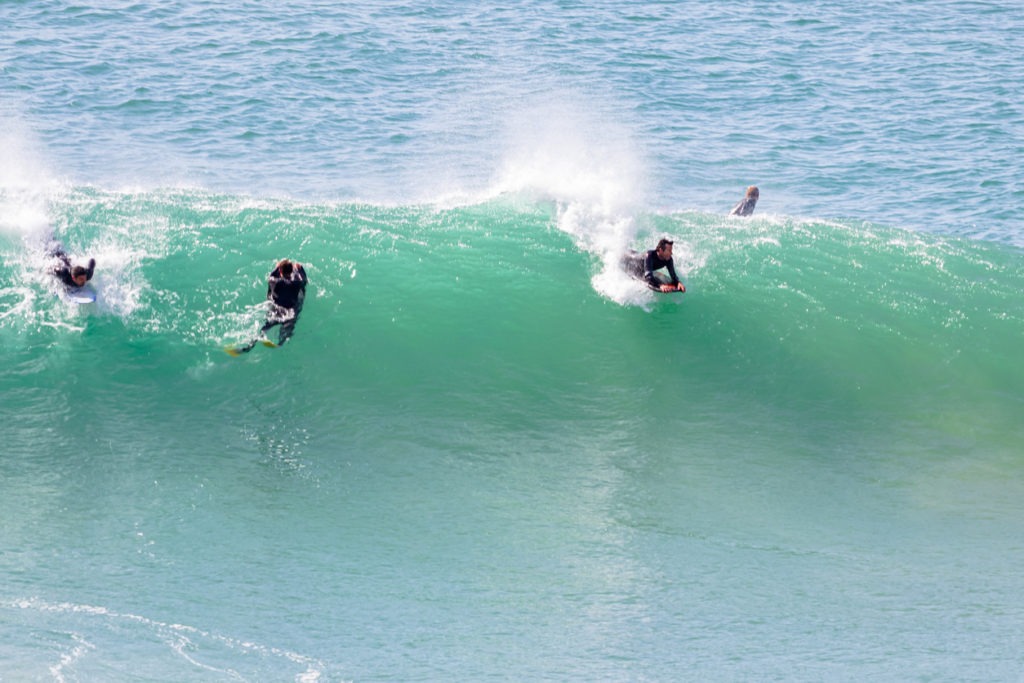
[[285, 266], [79, 275], [752, 191]]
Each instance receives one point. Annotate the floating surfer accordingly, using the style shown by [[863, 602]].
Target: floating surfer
[[746, 205], [286, 290], [644, 267]]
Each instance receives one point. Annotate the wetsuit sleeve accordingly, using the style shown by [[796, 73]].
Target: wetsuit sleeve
[[274, 276], [302, 274], [91, 269], [672, 271]]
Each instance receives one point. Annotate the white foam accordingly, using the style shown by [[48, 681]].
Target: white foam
[[117, 264], [566, 150], [26, 183], [179, 638]]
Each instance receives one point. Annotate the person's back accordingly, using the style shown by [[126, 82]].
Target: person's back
[[747, 204], [286, 286]]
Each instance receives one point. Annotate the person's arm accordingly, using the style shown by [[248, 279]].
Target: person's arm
[[675, 279], [302, 272], [672, 271], [91, 270], [274, 276]]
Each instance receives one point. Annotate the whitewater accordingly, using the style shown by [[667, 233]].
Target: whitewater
[[487, 452]]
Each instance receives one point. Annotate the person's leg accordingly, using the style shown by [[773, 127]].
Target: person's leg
[[267, 326], [633, 264], [261, 337], [55, 250], [242, 349], [287, 328]]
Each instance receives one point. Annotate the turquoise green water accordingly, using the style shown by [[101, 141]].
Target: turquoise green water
[[485, 453], [468, 459]]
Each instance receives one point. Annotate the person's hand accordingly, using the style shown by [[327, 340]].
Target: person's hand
[[668, 288]]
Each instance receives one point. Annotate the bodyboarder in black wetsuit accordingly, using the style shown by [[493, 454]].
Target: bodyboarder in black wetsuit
[[286, 291], [642, 267], [71, 276]]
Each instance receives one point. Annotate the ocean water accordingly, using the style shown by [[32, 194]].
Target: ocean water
[[486, 453]]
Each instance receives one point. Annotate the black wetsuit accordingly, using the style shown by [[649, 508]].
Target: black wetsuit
[[63, 270], [286, 295], [642, 267], [287, 292]]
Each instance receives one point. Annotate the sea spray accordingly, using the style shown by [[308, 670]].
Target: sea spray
[[594, 171]]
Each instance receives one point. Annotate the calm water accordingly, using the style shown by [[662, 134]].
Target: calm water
[[486, 453]]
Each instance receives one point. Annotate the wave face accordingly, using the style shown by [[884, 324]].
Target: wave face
[[464, 300], [464, 382]]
